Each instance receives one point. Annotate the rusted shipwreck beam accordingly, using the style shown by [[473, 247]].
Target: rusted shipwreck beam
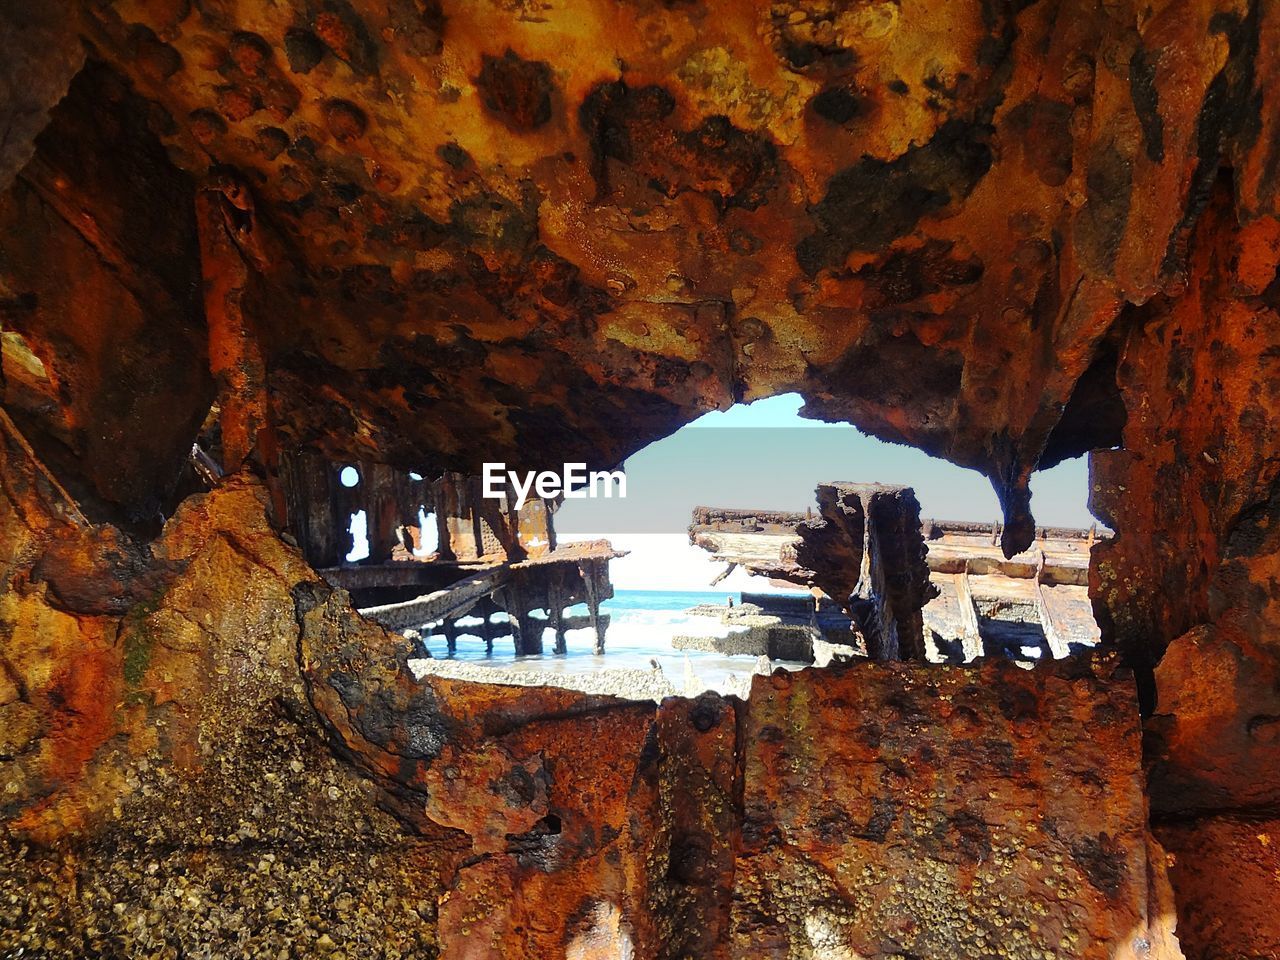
[[571, 574], [866, 548], [863, 548]]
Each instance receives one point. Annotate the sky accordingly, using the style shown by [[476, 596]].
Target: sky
[[764, 455]]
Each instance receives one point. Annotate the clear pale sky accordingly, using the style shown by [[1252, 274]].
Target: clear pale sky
[[764, 455]]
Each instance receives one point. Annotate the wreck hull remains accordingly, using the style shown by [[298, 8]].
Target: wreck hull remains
[[421, 235], [318, 798], [954, 600]]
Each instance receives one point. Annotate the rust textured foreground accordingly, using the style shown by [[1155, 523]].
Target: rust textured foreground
[[426, 233], [273, 775]]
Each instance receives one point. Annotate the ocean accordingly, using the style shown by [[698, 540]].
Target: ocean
[[642, 625]]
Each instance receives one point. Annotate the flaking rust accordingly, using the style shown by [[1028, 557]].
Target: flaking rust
[[422, 235]]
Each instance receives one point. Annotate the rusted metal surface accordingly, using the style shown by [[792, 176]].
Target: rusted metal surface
[[966, 566], [638, 214], [552, 582], [1005, 234]]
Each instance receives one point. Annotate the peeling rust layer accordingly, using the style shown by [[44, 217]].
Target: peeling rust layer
[[39, 55], [1187, 586], [907, 811], [242, 763], [576, 230], [1006, 234], [869, 809], [100, 285]]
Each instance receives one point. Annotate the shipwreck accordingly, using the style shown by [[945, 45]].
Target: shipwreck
[[247, 244], [937, 591]]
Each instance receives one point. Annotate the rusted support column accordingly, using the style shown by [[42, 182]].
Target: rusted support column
[[474, 525], [444, 502], [866, 551], [225, 220], [555, 609], [384, 492], [450, 635], [411, 537], [833, 544], [317, 507], [526, 633], [504, 520], [588, 569], [1059, 644], [509, 604], [900, 574], [414, 497], [456, 512], [486, 631], [530, 632], [444, 551], [530, 629]]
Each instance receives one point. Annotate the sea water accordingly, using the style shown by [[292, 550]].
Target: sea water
[[642, 625]]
